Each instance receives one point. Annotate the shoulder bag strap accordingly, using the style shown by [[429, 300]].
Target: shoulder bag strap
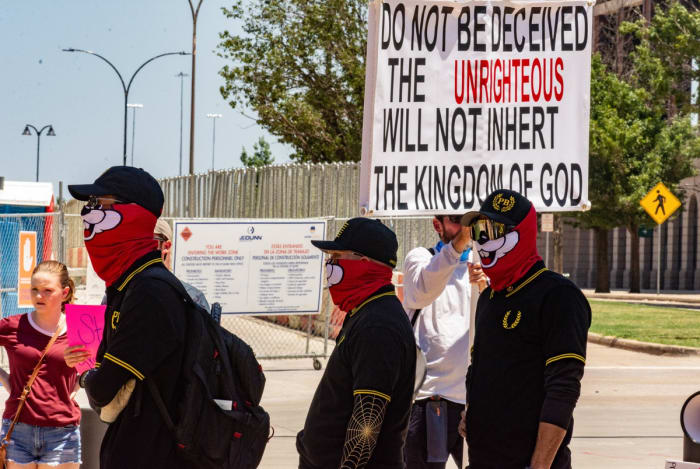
[[28, 387], [416, 313]]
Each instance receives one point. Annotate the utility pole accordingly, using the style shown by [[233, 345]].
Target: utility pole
[[195, 14], [213, 117], [133, 127], [182, 89]]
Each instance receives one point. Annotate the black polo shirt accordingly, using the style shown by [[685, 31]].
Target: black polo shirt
[[375, 353], [527, 361], [143, 338]]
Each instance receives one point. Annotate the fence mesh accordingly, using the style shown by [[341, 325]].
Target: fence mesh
[[47, 227], [287, 191]]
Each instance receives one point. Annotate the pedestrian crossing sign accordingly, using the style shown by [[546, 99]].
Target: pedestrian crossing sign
[[660, 203]]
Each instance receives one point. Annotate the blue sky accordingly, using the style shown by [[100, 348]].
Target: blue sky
[[81, 96]]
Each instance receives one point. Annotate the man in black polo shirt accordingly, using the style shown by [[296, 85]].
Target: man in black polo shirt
[[529, 346], [145, 319], [359, 415]]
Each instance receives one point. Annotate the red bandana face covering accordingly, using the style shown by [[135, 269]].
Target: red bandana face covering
[[115, 238], [351, 282], [505, 260]]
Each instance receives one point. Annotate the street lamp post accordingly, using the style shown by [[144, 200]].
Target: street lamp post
[[195, 15], [133, 127], [50, 133], [182, 89], [213, 117], [126, 87]]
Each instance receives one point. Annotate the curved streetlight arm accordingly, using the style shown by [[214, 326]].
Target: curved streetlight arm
[[108, 62], [126, 89], [37, 131]]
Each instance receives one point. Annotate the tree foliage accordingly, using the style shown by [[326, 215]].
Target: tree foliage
[[262, 156], [300, 67], [640, 130], [663, 58], [633, 146]]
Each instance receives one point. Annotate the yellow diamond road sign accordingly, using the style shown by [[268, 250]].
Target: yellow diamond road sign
[[660, 203]]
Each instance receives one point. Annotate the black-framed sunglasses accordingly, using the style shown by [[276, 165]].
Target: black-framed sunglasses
[[98, 202], [485, 229]]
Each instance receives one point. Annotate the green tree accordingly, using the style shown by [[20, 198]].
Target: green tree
[[633, 145], [663, 58], [299, 65], [262, 156]]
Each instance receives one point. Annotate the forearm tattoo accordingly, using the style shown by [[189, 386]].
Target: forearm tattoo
[[363, 429]]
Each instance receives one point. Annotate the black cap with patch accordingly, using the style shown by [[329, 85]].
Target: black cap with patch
[[365, 236], [128, 184], [504, 206]]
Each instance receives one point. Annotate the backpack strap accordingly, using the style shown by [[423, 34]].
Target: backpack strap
[[416, 313], [169, 278]]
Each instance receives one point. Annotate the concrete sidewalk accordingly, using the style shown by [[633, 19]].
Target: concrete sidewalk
[[671, 297]]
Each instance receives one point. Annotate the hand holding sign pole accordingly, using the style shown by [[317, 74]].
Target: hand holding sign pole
[[85, 325]]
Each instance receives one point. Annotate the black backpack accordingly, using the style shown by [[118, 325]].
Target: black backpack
[[219, 422]]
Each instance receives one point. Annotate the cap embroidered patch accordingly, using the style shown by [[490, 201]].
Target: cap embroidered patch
[[502, 204]]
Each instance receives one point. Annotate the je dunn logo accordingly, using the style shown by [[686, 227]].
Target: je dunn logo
[[186, 234]]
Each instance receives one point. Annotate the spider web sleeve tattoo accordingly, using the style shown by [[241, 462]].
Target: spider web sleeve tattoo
[[363, 428]]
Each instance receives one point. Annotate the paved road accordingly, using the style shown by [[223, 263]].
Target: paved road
[[627, 417]]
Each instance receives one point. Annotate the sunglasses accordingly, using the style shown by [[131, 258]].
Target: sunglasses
[[347, 255], [485, 229], [100, 202]]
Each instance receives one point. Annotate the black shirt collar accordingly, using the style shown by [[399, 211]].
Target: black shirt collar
[[141, 264], [389, 288], [534, 272]]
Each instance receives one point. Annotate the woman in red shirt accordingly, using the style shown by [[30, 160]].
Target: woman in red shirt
[[47, 433]]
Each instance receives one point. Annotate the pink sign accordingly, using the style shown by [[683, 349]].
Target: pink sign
[[85, 324]]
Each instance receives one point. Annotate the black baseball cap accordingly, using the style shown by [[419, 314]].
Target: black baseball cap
[[364, 236], [504, 206], [127, 183]]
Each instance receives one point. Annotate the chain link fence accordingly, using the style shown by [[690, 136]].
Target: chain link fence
[[330, 191], [49, 245]]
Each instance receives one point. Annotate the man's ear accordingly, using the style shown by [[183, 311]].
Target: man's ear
[[437, 226], [167, 245]]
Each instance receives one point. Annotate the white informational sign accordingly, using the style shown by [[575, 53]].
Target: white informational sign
[[462, 99], [252, 266], [547, 223]]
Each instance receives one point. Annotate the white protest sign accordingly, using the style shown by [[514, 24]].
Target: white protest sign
[[252, 266], [462, 99]]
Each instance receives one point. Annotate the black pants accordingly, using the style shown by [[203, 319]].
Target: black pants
[[415, 449]]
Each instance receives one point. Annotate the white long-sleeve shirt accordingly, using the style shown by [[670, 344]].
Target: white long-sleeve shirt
[[439, 286]]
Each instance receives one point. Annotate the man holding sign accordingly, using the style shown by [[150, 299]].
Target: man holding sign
[[437, 297], [529, 346]]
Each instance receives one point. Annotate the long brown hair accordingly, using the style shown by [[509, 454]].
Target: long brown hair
[[60, 269]]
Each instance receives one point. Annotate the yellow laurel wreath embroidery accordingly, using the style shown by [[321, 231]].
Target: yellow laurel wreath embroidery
[[515, 323], [502, 204]]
